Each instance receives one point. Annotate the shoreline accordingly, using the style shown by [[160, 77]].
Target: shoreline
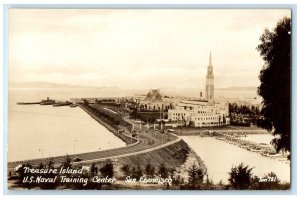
[[123, 137], [133, 146], [126, 139], [176, 152], [259, 148], [219, 171]]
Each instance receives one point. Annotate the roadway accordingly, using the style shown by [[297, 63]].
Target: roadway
[[145, 141]]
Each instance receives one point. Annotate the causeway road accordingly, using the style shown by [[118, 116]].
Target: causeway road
[[145, 141]]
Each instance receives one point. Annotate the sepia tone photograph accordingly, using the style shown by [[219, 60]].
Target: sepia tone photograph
[[149, 99]]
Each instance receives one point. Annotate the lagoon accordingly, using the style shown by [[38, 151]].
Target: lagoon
[[219, 157]]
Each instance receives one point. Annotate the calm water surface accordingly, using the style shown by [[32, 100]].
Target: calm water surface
[[36, 131], [220, 157]]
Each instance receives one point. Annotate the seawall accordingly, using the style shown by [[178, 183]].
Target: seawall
[[126, 138]]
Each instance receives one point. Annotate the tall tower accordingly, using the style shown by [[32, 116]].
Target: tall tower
[[209, 89]]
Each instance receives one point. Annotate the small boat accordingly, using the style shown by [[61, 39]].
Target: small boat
[[50, 102]]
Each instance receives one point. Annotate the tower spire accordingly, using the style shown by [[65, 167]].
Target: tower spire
[[210, 81]]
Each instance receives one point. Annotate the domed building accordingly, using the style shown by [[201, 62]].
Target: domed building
[[154, 101], [154, 96]]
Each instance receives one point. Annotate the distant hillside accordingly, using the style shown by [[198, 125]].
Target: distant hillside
[[233, 88], [50, 85], [172, 90], [37, 85], [236, 88]]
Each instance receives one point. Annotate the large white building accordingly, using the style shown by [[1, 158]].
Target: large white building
[[201, 113]]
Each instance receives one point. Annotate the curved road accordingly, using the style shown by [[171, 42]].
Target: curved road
[[144, 142]]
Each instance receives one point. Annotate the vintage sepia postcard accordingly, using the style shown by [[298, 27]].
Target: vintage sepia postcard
[[149, 99]]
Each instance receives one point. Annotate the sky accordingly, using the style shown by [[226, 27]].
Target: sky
[[138, 48]]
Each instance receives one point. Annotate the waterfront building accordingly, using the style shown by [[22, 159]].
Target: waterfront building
[[200, 113], [203, 112]]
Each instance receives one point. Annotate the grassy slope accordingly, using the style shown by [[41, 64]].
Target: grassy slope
[[172, 156]]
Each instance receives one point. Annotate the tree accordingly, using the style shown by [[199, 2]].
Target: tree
[[240, 177], [126, 170], [94, 169], [50, 164], [149, 170], [67, 162], [107, 170], [137, 173], [41, 166], [163, 171], [176, 181], [196, 175], [275, 49], [85, 102]]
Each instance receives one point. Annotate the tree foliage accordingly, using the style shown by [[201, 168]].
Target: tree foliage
[[126, 169], [94, 169], [107, 170], [163, 171], [67, 162], [196, 175], [149, 170], [275, 49], [137, 172], [240, 177]]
